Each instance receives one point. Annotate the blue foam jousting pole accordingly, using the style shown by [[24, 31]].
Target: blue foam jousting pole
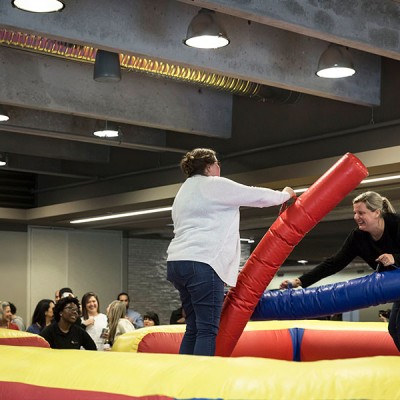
[[370, 290]]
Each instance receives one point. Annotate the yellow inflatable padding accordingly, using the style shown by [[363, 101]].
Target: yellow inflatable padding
[[130, 341], [31, 371]]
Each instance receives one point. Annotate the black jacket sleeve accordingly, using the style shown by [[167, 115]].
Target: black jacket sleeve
[[393, 223], [333, 264]]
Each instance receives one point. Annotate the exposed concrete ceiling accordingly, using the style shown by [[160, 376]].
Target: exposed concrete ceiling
[[290, 133]]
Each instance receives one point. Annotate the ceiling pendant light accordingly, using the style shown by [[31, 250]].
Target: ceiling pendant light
[[110, 131], [335, 62], [204, 32], [42, 6], [3, 115], [106, 67], [3, 159]]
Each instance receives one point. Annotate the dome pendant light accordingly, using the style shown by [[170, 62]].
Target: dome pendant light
[[42, 6], [3, 115], [335, 62], [110, 131], [205, 33], [3, 159]]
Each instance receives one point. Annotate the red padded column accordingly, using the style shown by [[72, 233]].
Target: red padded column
[[285, 233]]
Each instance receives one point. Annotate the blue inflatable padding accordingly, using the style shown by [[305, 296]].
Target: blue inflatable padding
[[297, 336], [370, 290]]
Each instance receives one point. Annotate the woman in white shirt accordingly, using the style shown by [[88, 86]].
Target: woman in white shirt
[[93, 320], [205, 251]]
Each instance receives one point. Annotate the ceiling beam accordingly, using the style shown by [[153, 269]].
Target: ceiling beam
[[52, 84], [307, 172], [155, 29], [135, 200], [371, 26], [163, 195], [73, 128], [51, 148], [43, 166]]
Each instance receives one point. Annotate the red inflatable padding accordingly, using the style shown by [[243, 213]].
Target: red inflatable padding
[[34, 341], [301, 340], [17, 390], [331, 345], [279, 241], [161, 342], [276, 344]]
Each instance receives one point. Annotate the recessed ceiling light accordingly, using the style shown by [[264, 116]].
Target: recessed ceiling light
[[380, 179], [365, 181], [121, 215], [300, 190], [247, 240]]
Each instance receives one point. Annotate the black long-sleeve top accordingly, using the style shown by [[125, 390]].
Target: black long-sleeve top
[[359, 244]]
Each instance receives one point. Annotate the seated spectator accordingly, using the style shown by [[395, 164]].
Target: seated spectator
[[64, 333], [16, 319], [151, 319], [65, 292], [133, 316], [117, 321], [42, 316], [5, 316], [93, 320], [178, 316]]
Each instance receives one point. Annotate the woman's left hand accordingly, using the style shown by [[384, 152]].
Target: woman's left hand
[[386, 259]]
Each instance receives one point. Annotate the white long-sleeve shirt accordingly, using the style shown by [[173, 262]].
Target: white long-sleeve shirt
[[95, 330], [206, 221]]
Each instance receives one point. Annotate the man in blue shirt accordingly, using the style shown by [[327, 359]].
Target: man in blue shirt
[[133, 316]]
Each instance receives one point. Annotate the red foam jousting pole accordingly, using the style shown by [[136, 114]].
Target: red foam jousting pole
[[273, 249]]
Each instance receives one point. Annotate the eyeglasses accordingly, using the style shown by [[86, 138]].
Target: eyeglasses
[[72, 309]]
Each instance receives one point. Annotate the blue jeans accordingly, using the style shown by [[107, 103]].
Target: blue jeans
[[202, 293], [394, 324]]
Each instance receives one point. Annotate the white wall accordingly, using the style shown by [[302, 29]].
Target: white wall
[[36, 263], [13, 269], [82, 260]]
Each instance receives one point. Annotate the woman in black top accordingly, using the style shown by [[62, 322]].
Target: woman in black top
[[64, 333], [376, 240]]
